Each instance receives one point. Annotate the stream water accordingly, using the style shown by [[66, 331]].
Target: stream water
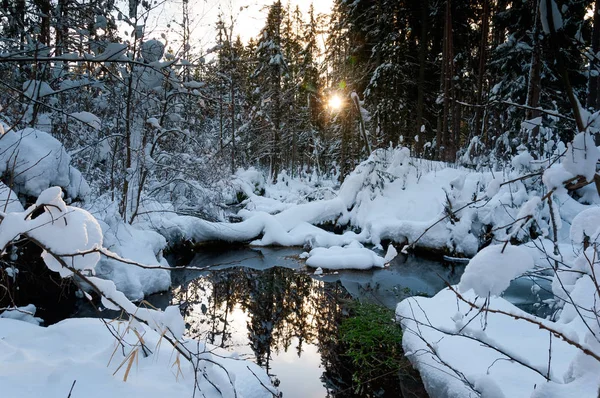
[[266, 305]]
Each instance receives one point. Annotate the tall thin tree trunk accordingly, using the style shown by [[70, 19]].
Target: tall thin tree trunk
[[535, 77], [593, 99], [478, 130], [232, 89], [421, 81], [447, 60]]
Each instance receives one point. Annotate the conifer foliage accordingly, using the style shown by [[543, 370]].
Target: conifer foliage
[[147, 115]]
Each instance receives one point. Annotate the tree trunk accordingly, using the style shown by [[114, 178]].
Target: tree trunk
[[479, 110], [593, 99], [421, 82], [232, 87], [535, 78], [447, 74]]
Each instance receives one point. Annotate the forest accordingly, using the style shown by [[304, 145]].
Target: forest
[[166, 178]]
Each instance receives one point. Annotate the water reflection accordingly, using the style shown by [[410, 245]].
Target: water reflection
[[286, 320], [265, 314], [265, 305]]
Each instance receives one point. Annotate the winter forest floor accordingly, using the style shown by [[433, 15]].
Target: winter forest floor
[[519, 220]]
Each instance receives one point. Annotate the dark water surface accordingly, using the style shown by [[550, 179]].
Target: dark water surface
[[266, 305]]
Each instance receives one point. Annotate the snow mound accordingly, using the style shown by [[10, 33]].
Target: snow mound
[[436, 343], [64, 230], [8, 200], [337, 257], [83, 349], [88, 118], [585, 225], [582, 156], [136, 243], [37, 160], [24, 314], [492, 269]]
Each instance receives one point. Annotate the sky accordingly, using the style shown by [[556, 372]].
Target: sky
[[249, 16]]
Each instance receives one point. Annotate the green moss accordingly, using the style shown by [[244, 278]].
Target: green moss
[[241, 196], [373, 343]]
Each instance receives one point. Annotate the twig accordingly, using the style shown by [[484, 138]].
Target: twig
[[555, 332], [71, 390]]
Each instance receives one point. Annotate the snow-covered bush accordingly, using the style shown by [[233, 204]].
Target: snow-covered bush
[[72, 242], [554, 357], [32, 160]]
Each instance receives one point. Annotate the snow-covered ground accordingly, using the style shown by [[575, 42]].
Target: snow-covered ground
[[389, 197], [144, 356], [82, 356], [468, 341]]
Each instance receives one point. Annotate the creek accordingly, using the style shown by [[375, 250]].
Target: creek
[[265, 304]]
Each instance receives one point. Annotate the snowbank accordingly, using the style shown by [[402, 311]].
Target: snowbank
[[138, 243], [439, 331], [95, 353], [390, 196], [37, 160], [37, 361], [512, 353], [337, 257]]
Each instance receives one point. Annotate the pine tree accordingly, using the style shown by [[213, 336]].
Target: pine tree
[[270, 71]]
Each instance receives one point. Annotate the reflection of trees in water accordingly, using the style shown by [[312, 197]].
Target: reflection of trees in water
[[334, 303], [208, 302], [281, 305]]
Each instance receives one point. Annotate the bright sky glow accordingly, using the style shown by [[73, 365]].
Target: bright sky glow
[[249, 17], [335, 102]]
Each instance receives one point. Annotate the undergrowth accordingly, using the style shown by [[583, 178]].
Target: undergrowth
[[373, 342]]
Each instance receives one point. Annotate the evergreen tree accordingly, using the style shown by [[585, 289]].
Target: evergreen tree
[[270, 72]]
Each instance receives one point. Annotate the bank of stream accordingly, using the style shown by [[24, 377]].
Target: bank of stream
[[266, 305]]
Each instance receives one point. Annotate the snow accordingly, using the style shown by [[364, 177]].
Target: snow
[[112, 52], [37, 161], [492, 269], [544, 17], [493, 188], [153, 122], [152, 50], [23, 314], [36, 89], [585, 224], [532, 123], [88, 118], [85, 351], [439, 330], [390, 196], [582, 156], [80, 349], [429, 320], [194, 84], [523, 160], [72, 240], [64, 229], [488, 388], [555, 177], [336, 257], [390, 254], [8, 200], [138, 243]]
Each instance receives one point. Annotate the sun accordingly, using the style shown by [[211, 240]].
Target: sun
[[335, 102]]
